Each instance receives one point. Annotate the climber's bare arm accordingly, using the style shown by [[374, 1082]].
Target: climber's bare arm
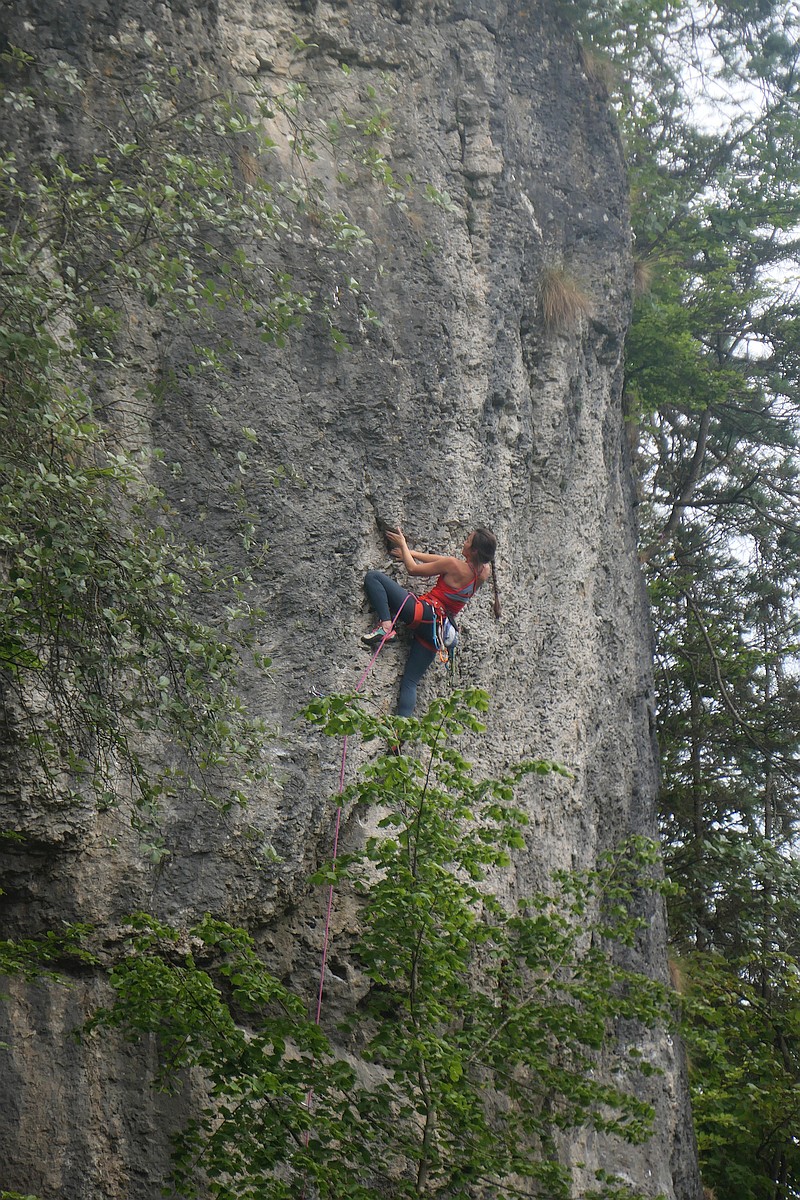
[[438, 564], [396, 538], [428, 565]]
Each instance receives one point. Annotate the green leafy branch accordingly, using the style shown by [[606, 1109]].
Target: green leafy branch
[[487, 1031]]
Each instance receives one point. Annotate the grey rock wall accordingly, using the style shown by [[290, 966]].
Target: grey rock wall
[[460, 408]]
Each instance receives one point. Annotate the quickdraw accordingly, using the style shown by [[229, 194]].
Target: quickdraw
[[445, 636]]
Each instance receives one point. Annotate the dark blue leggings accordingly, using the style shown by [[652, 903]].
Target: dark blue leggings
[[388, 598]]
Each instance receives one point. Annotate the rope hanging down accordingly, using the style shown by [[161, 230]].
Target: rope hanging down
[[337, 826]]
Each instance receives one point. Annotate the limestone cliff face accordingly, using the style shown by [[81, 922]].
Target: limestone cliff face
[[461, 407]]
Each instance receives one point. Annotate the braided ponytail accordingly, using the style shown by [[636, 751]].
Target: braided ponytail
[[484, 545], [497, 606]]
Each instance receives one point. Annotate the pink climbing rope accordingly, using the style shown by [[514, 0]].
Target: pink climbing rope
[[326, 934], [337, 826]]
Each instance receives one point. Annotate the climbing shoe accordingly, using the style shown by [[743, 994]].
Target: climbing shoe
[[376, 636]]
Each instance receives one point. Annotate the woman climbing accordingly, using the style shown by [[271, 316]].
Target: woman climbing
[[458, 580]]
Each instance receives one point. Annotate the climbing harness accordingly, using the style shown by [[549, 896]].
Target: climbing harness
[[445, 631]]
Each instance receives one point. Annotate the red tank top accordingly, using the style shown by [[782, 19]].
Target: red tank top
[[444, 597]]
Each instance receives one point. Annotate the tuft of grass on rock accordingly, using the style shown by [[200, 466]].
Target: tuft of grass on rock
[[563, 300]]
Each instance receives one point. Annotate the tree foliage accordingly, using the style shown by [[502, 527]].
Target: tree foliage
[[708, 99], [488, 1031], [742, 1031]]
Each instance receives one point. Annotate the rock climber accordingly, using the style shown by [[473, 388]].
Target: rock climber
[[430, 614]]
